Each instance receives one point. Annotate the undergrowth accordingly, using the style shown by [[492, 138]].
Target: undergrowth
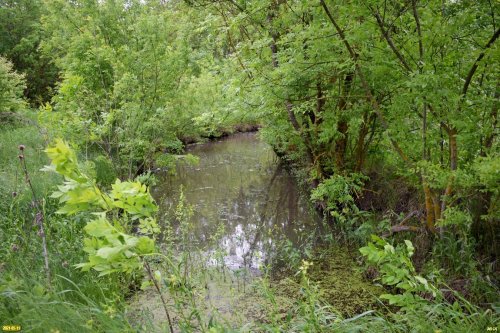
[[83, 301]]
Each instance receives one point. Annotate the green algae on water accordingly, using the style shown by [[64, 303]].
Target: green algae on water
[[340, 282]]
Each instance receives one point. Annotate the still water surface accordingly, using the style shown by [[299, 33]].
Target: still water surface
[[241, 193]]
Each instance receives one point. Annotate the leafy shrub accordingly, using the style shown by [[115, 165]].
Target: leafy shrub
[[12, 86], [338, 192], [396, 270], [109, 247], [105, 172]]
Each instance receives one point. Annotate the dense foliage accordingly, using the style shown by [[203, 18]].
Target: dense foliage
[[21, 37], [386, 110], [134, 83], [11, 90], [399, 90]]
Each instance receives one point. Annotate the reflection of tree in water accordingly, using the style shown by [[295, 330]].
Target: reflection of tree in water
[[271, 211], [238, 183]]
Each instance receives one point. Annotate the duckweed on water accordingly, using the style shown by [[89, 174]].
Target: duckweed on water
[[340, 281]]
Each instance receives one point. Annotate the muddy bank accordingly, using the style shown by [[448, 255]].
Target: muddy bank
[[221, 133]]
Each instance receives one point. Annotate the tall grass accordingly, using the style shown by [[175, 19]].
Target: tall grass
[[11, 176], [74, 301]]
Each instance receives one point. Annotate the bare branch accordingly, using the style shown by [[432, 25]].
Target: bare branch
[[389, 40], [474, 67]]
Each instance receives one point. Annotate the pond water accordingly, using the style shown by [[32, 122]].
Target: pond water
[[240, 193], [246, 206]]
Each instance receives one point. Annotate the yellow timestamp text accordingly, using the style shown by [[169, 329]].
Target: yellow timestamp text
[[11, 328]]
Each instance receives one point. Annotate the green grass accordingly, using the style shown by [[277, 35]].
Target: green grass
[[75, 301], [61, 310], [11, 175]]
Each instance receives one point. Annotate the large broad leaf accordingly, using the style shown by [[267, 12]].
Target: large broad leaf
[[134, 198], [145, 245], [112, 251], [99, 228], [109, 249]]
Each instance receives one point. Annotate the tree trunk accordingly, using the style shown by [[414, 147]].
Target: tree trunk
[[342, 125]]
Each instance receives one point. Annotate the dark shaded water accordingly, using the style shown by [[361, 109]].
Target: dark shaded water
[[240, 193]]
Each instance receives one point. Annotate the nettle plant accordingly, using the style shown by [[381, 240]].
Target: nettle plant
[[112, 215], [339, 193], [397, 270]]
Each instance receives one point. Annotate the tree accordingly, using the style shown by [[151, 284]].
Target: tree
[[340, 84], [130, 72], [21, 35], [12, 85]]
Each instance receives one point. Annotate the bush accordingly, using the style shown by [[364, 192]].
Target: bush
[[12, 86]]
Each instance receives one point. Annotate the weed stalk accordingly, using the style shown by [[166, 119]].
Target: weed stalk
[[39, 216], [155, 282]]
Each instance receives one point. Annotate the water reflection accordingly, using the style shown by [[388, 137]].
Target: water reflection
[[240, 184]]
